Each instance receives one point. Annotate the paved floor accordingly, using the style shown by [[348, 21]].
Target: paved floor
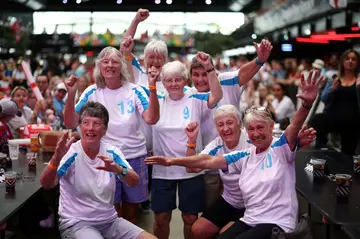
[[145, 221]]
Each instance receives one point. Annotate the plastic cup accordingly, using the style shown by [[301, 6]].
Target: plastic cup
[[343, 182], [14, 151], [356, 163], [318, 167], [10, 181]]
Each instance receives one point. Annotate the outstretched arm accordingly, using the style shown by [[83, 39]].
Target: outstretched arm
[[141, 15]]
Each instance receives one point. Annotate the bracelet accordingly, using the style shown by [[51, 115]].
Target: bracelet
[[152, 88], [51, 166], [257, 62], [306, 107], [210, 70], [191, 145], [129, 57]]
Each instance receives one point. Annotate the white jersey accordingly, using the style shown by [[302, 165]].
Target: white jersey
[[284, 109], [267, 183], [169, 137], [125, 106], [229, 82], [86, 193], [217, 147]]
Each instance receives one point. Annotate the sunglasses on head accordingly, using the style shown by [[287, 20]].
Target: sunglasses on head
[[257, 108]]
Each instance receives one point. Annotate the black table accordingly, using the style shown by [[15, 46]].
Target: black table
[[352, 231], [322, 193], [25, 189]]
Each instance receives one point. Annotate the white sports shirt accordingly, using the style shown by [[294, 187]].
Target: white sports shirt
[[169, 137], [217, 147], [267, 183], [125, 106], [86, 193]]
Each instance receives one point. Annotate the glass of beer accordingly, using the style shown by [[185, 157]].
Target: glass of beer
[[10, 181]]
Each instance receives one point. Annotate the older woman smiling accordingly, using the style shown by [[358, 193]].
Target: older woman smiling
[[261, 170], [128, 105]]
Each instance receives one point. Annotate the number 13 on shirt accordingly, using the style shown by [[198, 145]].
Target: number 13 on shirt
[[130, 108]]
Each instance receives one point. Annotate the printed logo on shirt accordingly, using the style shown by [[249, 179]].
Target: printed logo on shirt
[[128, 107], [267, 161], [186, 113]]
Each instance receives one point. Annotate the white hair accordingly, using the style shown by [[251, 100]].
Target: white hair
[[257, 115], [174, 68], [157, 47], [227, 110], [104, 54]]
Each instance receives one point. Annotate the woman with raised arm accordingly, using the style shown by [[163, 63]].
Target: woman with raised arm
[[266, 172], [177, 110], [128, 106]]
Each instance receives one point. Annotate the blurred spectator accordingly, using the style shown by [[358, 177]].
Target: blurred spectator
[[20, 95], [77, 68], [83, 83], [42, 82], [264, 98], [58, 99], [18, 76], [278, 72], [8, 109], [282, 106]]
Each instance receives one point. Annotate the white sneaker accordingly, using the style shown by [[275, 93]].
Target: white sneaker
[[48, 222]]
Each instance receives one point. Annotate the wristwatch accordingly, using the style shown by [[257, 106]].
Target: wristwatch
[[258, 62]]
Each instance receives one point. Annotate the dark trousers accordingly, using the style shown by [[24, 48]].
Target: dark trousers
[[240, 230], [347, 128]]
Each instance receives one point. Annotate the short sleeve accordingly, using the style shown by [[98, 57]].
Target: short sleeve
[[282, 149], [119, 158], [235, 160], [67, 165], [85, 97], [200, 103], [141, 99], [137, 70], [213, 148]]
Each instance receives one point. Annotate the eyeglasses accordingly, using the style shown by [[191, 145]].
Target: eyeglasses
[[257, 108], [176, 80]]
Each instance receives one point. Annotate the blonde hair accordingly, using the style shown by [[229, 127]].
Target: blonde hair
[[257, 114], [174, 67], [227, 110], [17, 88], [106, 53]]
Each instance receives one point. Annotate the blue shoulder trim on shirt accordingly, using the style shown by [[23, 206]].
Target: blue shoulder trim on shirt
[[118, 160], [143, 100], [214, 151], [233, 158], [280, 142], [230, 82], [147, 91], [84, 100], [137, 65], [202, 96], [63, 169]]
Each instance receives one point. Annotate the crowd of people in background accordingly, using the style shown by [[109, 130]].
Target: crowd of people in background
[[179, 108]]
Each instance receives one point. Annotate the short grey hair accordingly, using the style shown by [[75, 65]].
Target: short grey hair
[[227, 110], [255, 114], [158, 47], [174, 67], [106, 53], [95, 109]]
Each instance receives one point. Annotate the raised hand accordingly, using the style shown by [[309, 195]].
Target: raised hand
[[204, 59], [142, 15], [62, 146], [192, 130], [160, 160], [71, 84], [336, 82], [309, 88], [109, 165], [306, 136], [127, 46], [153, 75], [263, 51]]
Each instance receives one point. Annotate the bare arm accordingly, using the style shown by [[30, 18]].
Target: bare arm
[[131, 178], [201, 161], [248, 71], [71, 118], [152, 114], [49, 177], [192, 131], [141, 15], [309, 93], [126, 48]]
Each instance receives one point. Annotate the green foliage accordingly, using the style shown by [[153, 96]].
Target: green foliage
[[213, 43]]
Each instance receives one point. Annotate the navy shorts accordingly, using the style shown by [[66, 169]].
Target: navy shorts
[[191, 195]]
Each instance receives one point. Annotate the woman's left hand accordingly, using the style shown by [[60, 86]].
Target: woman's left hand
[[109, 165], [205, 60], [310, 88], [153, 75], [306, 136]]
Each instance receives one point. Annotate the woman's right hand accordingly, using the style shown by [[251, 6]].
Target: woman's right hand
[[192, 130], [71, 84], [63, 145]]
